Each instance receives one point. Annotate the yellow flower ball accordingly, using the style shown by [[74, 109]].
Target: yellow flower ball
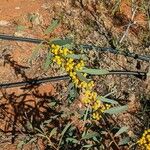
[[96, 116], [144, 141]]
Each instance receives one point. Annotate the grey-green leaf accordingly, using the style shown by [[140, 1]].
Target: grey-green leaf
[[66, 128], [95, 71], [71, 90], [90, 135], [69, 46], [20, 145], [33, 140], [32, 17], [107, 100], [20, 28], [81, 77], [47, 121], [35, 52], [73, 140], [124, 141], [64, 131], [122, 130], [52, 27], [38, 130], [86, 114], [77, 56], [87, 146], [60, 42], [48, 61], [116, 110], [52, 104], [53, 132], [41, 135]]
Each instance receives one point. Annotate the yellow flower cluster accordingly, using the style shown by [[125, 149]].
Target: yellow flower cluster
[[71, 66], [144, 142], [98, 107]]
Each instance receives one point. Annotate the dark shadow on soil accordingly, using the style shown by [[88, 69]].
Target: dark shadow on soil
[[18, 69], [18, 111], [24, 109]]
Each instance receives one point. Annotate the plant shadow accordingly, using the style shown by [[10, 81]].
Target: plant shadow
[[23, 109]]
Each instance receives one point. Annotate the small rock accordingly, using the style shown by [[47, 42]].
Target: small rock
[[45, 6], [4, 23], [96, 35], [19, 33], [17, 8]]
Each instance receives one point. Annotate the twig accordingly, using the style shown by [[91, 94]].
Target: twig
[[107, 129], [148, 15], [129, 25], [113, 139]]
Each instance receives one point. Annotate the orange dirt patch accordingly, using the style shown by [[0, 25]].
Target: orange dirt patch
[[12, 9], [126, 9], [123, 16], [17, 102], [18, 105], [17, 12]]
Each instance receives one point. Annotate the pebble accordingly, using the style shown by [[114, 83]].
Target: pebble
[[19, 33], [17, 8], [4, 23]]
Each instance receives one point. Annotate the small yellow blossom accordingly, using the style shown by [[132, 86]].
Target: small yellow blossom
[[96, 105], [144, 141], [96, 116], [90, 84]]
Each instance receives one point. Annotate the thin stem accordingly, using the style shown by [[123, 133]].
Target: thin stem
[[128, 27]]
